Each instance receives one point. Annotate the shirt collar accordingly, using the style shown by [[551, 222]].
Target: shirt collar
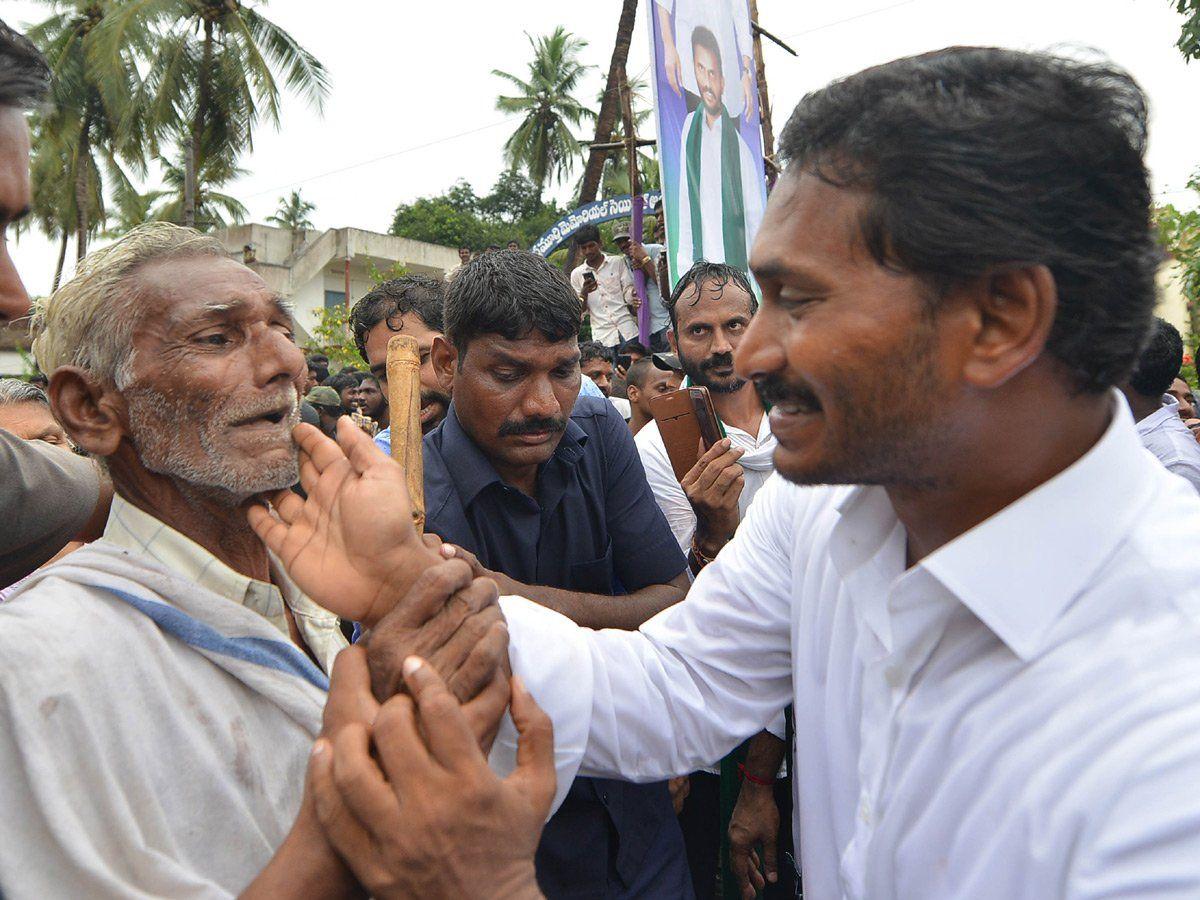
[[1019, 570], [138, 531], [471, 471], [1169, 410]]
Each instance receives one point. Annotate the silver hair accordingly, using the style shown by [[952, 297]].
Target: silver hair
[[14, 391]]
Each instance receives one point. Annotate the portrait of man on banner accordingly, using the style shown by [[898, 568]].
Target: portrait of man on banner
[[710, 143]]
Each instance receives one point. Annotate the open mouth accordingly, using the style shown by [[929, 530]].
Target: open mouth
[[274, 417]]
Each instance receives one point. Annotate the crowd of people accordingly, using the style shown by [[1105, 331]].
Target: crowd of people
[[915, 625]]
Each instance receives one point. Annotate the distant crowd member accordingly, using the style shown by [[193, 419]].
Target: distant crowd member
[[25, 412], [491, 248], [47, 497], [605, 287], [346, 385], [645, 382], [544, 490], [318, 369], [372, 402], [1157, 412], [514, 245], [596, 362], [627, 353], [329, 409], [464, 257], [644, 257], [410, 305], [1185, 397]]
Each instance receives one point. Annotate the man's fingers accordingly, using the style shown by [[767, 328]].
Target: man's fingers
[[447, 733], [341, 828], [267, 526], [321, 451], [534, 774], [288, 505], [770, 858], [398, 740], [361, 450], [485, 712], [482, 661], [358, 780], [350, 698], [429, 593]]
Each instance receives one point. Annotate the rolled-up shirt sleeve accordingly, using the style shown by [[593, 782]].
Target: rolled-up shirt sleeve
[[47, 495], [695, 680]]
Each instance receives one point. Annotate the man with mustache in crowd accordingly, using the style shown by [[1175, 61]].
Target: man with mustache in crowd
[[543, 490], [47, 499], [409, 305], [965, 577], [161, 687], [710, 310]]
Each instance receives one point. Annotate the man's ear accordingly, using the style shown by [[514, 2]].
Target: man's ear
[[632, 393], [445, 362], [1012, 310], [92, 413]]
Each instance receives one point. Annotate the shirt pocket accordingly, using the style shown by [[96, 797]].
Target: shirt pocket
[[594, 576]]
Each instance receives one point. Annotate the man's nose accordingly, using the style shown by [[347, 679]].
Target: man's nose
[[276, 357], [14, 301], [759, 352], [539, 400], [720, 343]]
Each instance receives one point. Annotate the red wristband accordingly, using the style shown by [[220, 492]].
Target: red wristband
[[754, 779]]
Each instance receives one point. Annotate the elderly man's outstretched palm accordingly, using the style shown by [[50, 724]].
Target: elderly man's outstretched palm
[[351, 546]]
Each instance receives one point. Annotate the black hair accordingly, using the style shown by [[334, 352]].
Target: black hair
[[975, 158], [633, 345], [593, 350], [24, 73], [636, 376], [492, 248], [341, 381], [586, 234], [1160, 361], [510, 293], [391, 301], [702, 37], [700, 274]]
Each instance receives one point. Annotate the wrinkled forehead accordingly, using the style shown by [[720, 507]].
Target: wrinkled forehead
[[179, 292]]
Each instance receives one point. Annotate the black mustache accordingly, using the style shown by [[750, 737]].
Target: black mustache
[[773, 390], [533, 426], [717, 361]]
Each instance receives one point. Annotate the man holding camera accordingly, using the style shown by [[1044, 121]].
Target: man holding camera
[[605, 286]]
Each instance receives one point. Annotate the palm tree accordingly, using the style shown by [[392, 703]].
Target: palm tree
[[93, 121], [293, 215], [214, 76], [615, 177], [53, 208], [610, 106], [212, 209], [543, 144]]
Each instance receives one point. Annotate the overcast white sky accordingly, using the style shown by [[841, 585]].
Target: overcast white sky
[[412, 105]]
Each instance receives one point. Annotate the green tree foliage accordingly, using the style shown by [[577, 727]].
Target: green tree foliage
[[1179, 231], [216, 66], [212, 209], [544, 145], [458, 217], [93, 122], [293, 213], [332, 336], [1189, 35]]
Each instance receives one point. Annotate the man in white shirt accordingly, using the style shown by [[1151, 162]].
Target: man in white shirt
[[721, 188], [1156, 411], [964, 579], [605, 287]]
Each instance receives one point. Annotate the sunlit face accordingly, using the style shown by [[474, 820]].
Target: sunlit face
[[1180, 391], [601, 372], [831, 320], [370, 398], [515, 397], [464, 255], [710, 321], [655, 384], [15, 197], [33, 421], [212, 397], [434, 399], [710, 79]]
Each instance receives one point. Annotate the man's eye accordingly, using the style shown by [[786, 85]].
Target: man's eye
[[214, 340], [508, 377]]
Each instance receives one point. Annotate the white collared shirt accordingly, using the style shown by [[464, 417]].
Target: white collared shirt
[[1017, 716], [670, 496], [1172, 443], [139, 532], [608, 305]]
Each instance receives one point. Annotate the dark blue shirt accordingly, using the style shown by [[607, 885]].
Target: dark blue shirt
[[593, 527]]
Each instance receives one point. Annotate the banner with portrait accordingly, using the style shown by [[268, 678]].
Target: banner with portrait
[[709, 136]]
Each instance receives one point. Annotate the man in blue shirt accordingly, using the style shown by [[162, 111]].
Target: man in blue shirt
[[544, 491]]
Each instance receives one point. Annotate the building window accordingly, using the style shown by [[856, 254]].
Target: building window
[[335, 298]]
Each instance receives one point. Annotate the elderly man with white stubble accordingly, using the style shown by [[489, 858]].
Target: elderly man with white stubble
[[161, 688]]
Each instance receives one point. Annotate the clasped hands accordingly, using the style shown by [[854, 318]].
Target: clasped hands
[[399, 788]]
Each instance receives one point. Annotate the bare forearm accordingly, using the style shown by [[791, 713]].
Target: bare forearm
[[304, 866], [599, 610], [764, 756]]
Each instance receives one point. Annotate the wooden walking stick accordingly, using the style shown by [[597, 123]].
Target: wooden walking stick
[[404, 398]]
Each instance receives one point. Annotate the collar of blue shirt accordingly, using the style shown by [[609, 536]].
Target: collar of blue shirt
[[1016, 583], [471, 471]]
